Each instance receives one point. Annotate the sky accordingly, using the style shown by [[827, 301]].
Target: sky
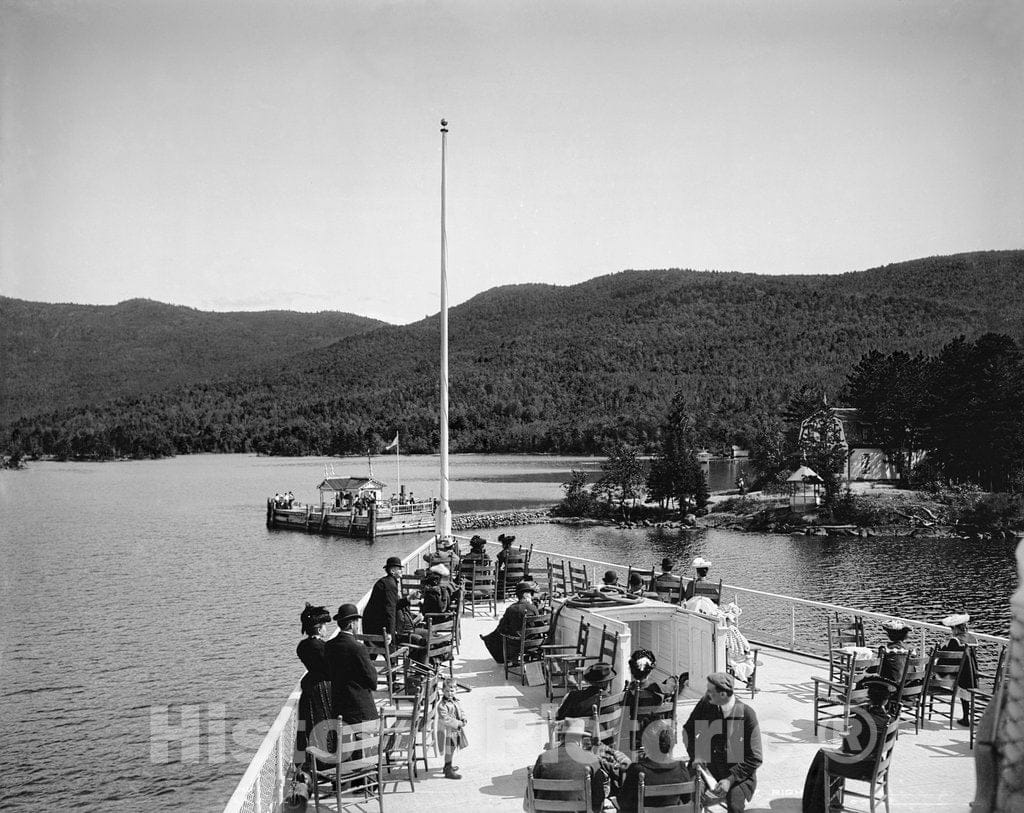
[[277, 154]]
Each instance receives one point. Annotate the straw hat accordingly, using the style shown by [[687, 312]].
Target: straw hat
[[956, 620], [699, 562]]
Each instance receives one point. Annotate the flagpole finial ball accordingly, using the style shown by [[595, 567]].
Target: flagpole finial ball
[[444, 125]]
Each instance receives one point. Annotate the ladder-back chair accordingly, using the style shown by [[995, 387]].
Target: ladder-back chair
[[358, 759], [644, 711], [579, 579], [564, 795], [878, 781], [833, 698], [480, 586], [982, 696], [563, 661], [668, 797], [941, 682], [557, 580], [525, 646], [606, 721], [906, 700]]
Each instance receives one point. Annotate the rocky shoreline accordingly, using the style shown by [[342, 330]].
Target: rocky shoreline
[[482, 520]]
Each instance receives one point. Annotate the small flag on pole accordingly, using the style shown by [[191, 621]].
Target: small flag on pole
[[393, 443]]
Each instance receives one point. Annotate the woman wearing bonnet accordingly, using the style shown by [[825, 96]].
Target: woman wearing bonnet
[[315, 700], [960, 638]]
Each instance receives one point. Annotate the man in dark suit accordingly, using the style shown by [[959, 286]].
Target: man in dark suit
[[382, 607], [353, 678]]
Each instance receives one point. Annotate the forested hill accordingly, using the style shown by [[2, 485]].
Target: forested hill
[[546, 368], [60, 355]]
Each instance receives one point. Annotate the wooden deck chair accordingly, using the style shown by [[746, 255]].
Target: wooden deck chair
[[643, 714], [646, 576], [419, 711], [833, 698], [387, 659], [440, 646], [906, 700], [606, 721], [358, 759], [562, 662], [878, 782], [706, 589], [480, 586], [668, 798], [525, 647], [981, 696], [411, 587], [557, 580], [841, 633], [515, 572], [579, 579], [669, 587], [941, 682], [564, 795]]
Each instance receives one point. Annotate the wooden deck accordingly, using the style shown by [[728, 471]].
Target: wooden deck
[[933, 771]]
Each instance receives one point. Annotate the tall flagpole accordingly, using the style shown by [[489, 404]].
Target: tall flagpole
[[444, 519]]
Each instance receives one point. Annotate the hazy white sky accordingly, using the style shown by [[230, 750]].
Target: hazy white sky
[[256, 155]]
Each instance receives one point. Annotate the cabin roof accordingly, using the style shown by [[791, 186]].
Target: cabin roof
[[350, 484]]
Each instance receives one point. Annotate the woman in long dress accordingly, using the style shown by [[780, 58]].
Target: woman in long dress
[[960, 638], [315, 699]]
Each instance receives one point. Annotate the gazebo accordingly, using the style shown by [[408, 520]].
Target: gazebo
[[804, 489]]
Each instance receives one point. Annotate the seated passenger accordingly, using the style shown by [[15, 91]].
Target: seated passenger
[[581, 702], [571, 760], [700, 583], [893, 655], [741, 656], [667, 581], [437, 596], [512, 621], [635, 587], [660, 769], [643, 691], [856, 759]]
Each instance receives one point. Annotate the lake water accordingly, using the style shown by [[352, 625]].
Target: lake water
[[145, 604]]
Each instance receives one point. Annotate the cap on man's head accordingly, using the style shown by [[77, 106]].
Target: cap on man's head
[[610, 577], [393, 561], [722, 681]]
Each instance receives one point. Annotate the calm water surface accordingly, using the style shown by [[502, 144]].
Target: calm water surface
[[146, 602]]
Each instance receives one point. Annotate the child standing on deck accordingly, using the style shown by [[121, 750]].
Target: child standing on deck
[[450, 735]]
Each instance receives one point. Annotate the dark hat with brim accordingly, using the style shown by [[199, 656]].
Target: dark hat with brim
[[526, 587], [393, 561], [722, 681], [667, 564], [346, 612], [599, 673]]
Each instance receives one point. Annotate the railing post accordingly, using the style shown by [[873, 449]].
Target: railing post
[[792, 626]]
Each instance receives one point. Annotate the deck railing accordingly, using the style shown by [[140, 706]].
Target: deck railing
[[794, 624]]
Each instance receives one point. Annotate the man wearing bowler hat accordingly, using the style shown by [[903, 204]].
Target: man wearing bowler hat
[[353, 678], [381, 611], [723, 735]]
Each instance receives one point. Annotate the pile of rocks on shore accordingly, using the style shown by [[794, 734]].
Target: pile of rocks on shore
[[499, 519]]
